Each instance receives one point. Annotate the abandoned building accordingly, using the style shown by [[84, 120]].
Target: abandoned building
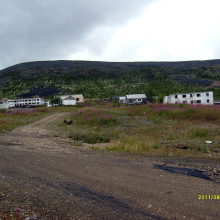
[[69, 100], [79, 97], [135, 99], [205, 98], [21, 102], [4, 104]]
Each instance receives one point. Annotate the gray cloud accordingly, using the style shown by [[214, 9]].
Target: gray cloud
[[52, 29]]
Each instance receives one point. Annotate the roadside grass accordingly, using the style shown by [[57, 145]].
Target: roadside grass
[[10, 120], [155, 129]]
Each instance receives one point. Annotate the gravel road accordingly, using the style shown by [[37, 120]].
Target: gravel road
[[43, 177]]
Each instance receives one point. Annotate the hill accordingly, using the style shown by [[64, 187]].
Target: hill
[[106, 79]]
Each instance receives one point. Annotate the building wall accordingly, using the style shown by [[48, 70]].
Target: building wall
[[29, 101], [78, 97], [68, 102], [205, 98], [4, 104]]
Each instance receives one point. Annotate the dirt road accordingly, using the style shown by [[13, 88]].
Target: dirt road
[[48, 178]]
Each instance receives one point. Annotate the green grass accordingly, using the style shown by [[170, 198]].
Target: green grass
[[10, 120], [177, 130]]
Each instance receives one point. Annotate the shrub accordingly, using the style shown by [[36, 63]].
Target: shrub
[[89, 137]]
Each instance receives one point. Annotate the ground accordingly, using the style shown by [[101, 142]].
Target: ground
[[45, 177]]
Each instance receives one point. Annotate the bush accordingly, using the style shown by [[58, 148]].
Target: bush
[[89, 137]]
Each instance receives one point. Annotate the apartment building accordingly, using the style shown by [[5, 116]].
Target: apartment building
[[29, 102], [205, 98]]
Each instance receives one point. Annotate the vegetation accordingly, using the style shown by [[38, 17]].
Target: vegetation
[[104, 80], [11, 119], [155, 129]]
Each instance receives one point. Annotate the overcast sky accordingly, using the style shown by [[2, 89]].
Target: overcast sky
[[109, 30]]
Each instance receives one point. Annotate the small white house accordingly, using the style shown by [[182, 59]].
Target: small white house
[[68, 101], [121, 99], [4, 103], [136, 99], [205, 98], [79, 97]]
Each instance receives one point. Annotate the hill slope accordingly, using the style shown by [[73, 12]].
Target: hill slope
[[105, 79]]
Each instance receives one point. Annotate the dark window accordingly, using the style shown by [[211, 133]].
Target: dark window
[[198, 95], [184, 102], [77, 99], [191, 102], [207, 94], [184, 96], [191, 95], [207, 100], [198, 101], [175, 96]]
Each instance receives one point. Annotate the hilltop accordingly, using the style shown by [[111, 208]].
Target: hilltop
[[97, 79]]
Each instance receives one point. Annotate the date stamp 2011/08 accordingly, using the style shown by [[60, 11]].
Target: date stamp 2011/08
[[203, 197]]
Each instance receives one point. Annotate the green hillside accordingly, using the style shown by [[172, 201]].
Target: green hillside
[[107, 79]]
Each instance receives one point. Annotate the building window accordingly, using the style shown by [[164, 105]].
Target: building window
[[198, 94], [184, 96], [198, 101], [139, 100], [175, 96], [191, 102], [184, 102], [191, 95], [207, 94], [38, 103], [207, 100], [77, 99]]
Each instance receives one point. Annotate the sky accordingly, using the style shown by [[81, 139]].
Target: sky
[[108, 30]]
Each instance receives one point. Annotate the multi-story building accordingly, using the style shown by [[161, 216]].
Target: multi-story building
[[205, 98], [29, 102]]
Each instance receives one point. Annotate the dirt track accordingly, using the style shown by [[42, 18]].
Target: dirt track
[[50, 178]]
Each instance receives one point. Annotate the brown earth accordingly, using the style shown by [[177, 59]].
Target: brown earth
[[43, 177]]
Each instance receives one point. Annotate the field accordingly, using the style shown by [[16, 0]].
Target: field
[[155, 129]]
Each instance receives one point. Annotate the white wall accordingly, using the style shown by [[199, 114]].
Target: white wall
[[68, 102], [205, 98], [4, 103]]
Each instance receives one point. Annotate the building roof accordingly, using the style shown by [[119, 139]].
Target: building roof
[[69, 98], [136, 96]]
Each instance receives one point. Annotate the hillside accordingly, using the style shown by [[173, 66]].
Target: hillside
[[106, 79]]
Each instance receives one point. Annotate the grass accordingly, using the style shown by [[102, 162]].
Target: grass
[[156, 129], [10, 119]]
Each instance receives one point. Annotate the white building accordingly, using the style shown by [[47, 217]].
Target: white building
[[135, 98], [205, 98], [4, 104], [121, 99], [29, 102], [11, 103], [79, 97], [69, 100]]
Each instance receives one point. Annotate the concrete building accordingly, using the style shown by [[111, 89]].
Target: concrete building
[[68, 101], [4, 104], [79, 97], [11, 103], [135, 99], [205, 98], [29, 102]]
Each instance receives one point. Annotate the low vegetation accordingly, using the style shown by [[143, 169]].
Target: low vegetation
[[11, 119], [155, 129]]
